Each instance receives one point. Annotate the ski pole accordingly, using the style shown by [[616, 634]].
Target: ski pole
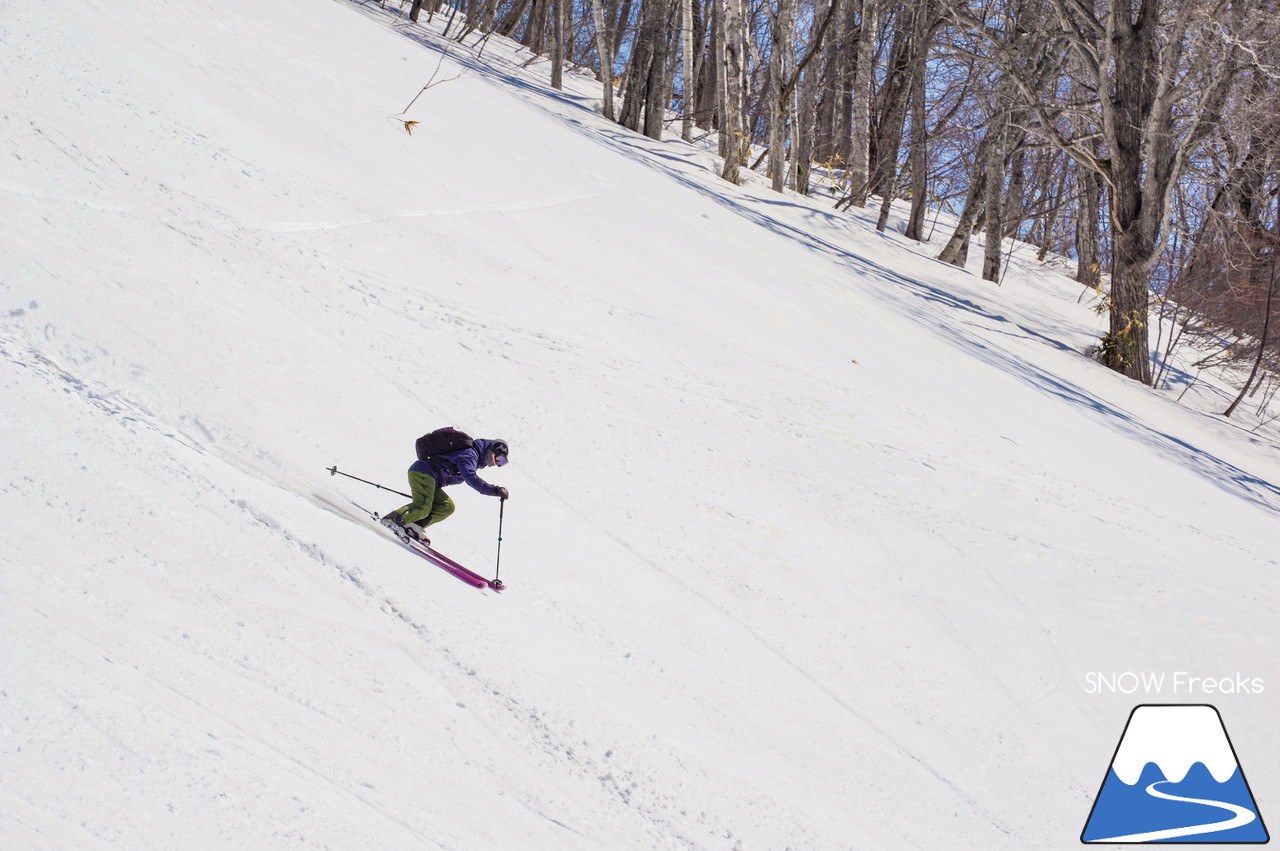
[[334, 471], [502, 507]]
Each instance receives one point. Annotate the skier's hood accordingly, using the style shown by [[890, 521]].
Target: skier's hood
[[481, 446]]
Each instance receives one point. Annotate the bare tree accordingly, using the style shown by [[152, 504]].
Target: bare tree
[[645, 103], [731, 58], [1072, 120], [1264, 337], [1160, 72], [558, 11], [606, 54], [863, 79], [780, 62], [918, 156], [689, 68]]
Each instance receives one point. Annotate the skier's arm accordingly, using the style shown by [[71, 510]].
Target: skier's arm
[[467, 467]]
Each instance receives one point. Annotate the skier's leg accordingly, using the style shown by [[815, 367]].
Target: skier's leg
[[441, 508], [425, 493]]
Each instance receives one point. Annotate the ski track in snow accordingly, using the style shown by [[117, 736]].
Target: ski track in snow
[[113, 404], [529, 206], [990, 815], [131, 416]]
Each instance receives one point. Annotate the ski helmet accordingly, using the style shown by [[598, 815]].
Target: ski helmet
[[499, 450]]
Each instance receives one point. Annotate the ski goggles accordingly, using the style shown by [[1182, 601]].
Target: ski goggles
[[500, 460]]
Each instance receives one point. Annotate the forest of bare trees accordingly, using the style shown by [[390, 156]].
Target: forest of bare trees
[[1140, 139]]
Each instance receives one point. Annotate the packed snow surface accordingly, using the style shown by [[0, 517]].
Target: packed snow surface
[[813, 542]]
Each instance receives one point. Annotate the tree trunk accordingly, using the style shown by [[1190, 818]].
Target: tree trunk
[[833, 98], [512, 19], [534, 36], [779, 109], [642, 108], [1161, 79], [661, 81], [1000, 131], [993, 192], [956, 251], [706, 97], [894, 98], [733, 141], [918, 158], [1088, 255], [1126, 348], [605, 52], [1052, 215], [804, 136], [1262, 342], [619, 26], [1133, 209], [689, 70], [557, 43], [863, 80]]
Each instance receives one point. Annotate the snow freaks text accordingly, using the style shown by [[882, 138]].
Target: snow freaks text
[[1176, 683]]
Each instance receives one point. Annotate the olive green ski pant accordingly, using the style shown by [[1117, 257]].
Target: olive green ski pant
[[430, 503]]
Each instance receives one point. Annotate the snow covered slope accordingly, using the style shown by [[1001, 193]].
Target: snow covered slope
[[813, 541]]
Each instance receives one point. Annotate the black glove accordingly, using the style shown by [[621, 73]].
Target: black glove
[[501, 493]]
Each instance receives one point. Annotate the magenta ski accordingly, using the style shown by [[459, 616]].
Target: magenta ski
[[448, 565]]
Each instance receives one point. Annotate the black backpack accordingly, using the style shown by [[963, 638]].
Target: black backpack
[[442, 441]]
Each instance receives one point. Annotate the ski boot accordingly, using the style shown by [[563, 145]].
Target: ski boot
[[417, 533], [404, 531]]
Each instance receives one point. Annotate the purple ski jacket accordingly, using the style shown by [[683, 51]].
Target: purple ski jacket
[[454, 468]]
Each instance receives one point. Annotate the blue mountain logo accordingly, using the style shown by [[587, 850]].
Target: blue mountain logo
[[1175, 778]]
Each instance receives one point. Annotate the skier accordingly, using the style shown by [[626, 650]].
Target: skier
[[432, 473]]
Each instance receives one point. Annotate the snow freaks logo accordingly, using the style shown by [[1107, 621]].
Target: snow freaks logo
[[1177, 683], [1175, 778]]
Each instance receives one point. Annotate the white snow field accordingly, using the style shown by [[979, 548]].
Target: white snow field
[[813, 542]]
